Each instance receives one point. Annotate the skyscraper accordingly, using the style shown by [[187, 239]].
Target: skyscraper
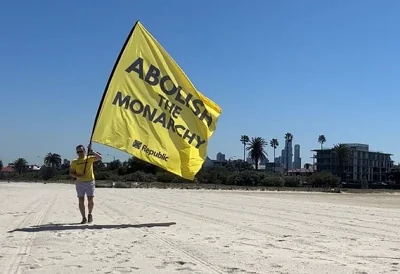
[[297, 159], [288, 163]]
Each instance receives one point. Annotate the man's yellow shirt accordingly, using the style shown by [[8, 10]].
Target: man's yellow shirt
[[79, 166]]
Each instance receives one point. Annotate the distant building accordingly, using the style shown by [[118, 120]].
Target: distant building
[[33, 168], [362, 165], [274, 167], [260, 163], [7, 169], [264, 161], [283, 158], [212, 163], [208, 162], [297, 159], [287, 155], [220, 157], [10, 168]]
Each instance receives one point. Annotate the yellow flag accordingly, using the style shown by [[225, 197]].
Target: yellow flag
[[151, 110]]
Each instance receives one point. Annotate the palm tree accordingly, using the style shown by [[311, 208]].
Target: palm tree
[[341, 153], [52, 159], [244, 139], [288, 139], [274, 144], [20, 165], [256, 150], [321, 140], [1, 165]]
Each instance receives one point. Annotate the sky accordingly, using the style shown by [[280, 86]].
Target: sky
[[304, 67]]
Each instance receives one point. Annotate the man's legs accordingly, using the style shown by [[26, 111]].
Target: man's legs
[[82, 206], [90, 207], [90, 195], [80, 191]]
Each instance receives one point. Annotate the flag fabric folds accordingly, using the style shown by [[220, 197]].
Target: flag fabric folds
[[151, 110]]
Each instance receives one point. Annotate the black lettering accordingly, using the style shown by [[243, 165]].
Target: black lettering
[[179, 127], [133, 67], [137, 107], [169, 106], [206, 115], [177, 111], [161, 119], [197, 104], [164, 87], [187, 135], [188, 98], [157, 154], [183, 100], [171, 124], [138, 103], [162, 99], [152, 75], [118, 98], [199, 141], [179, 97], [149, 113]]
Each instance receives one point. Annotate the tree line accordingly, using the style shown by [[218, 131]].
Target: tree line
[[236, 172]]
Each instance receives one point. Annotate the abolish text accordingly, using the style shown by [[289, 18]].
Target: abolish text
[[153, 77]]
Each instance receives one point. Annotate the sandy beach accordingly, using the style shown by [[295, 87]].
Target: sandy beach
[[197, 231]]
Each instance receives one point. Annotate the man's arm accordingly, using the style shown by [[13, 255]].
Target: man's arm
[[72, 171], [96, 156]]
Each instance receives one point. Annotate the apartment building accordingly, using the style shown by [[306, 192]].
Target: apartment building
[[362, 164]]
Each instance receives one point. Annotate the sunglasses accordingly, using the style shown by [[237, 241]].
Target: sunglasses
[[79, 151]]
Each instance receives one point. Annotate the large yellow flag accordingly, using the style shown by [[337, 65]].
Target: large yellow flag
[[151, 110]]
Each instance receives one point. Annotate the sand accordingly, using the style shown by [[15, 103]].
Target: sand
[[197, 231]]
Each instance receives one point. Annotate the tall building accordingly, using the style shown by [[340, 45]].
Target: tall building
[[362, 164], [297, 159], [264, 161], [288, 163], [220, 157], [283, 158]]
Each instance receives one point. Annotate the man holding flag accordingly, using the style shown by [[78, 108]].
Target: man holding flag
[[82, 170]]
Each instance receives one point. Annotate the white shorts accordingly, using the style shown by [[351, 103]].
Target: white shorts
[[85, 187]]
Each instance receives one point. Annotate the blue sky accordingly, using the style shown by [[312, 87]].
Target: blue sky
[[305, 67]]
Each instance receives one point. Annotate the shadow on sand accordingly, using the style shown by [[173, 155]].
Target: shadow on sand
[[76, 226]]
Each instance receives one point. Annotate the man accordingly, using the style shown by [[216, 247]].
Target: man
[[82, 170]]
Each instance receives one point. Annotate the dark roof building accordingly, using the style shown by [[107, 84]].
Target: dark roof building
[[362, 163]]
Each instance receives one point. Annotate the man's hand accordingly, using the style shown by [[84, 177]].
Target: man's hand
[[97, 156], [73, 174]]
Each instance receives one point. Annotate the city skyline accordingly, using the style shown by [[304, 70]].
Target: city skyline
[[108, 157]]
